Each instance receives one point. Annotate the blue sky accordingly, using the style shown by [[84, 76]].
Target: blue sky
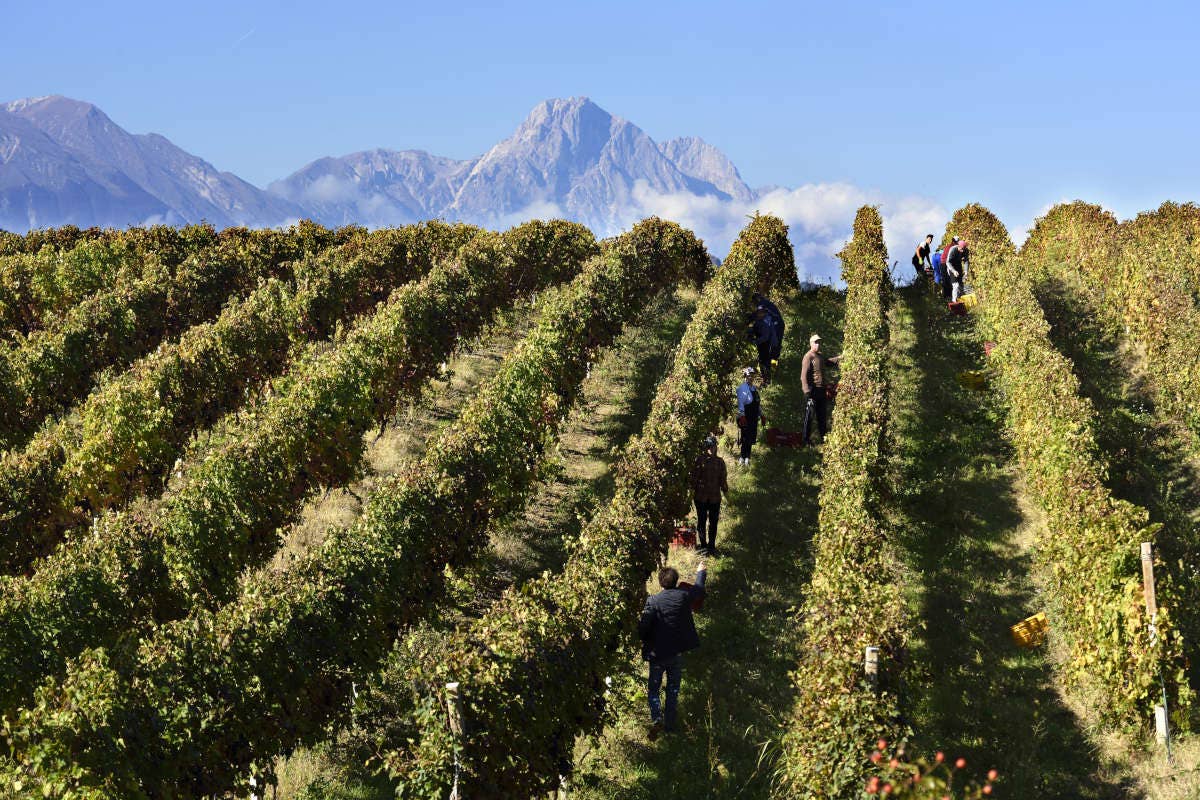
[[1015, 104]]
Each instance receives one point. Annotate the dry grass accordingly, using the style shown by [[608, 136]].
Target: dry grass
[[614, 402], [407, 434]]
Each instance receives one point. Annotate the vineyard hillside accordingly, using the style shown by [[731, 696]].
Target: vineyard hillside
[[349, 514]]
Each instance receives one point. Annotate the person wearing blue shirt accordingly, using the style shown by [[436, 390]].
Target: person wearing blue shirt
[[749, 414]]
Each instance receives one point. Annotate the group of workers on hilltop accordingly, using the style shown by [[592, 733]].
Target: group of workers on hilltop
[[947, 267], [667, 628]]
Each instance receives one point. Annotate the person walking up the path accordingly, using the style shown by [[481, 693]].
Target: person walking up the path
[[920, 259], [667, 631], [749, 414], [957, 261], [812, 380], [709, 483]]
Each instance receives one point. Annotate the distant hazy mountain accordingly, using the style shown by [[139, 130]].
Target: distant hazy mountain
[[375, 187], [699, 159], [574, 155], [569, 157], [134, 178], [43, 184], [64, 161]]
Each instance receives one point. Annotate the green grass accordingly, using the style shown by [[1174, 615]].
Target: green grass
[[736, 687], [1152, 458], [615, 400], [405, 436], [961, 518], [967, 529], [1153, 463]]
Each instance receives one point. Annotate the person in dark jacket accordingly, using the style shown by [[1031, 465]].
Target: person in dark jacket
[[777, 318], [709, 483], [749, 414], [765, 332], [957, 262], [667, 631], [920, 260], [947, 279]]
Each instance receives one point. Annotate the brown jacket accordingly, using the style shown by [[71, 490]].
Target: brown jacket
[[812, 371], [709, 478]]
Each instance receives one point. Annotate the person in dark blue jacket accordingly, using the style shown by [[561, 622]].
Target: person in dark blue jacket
[[777, 319], [667, 631], [766, 338]]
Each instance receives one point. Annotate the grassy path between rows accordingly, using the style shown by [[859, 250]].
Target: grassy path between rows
[[1155, 463], [967, 528], [735, 687], [615, 400], [407, 433]]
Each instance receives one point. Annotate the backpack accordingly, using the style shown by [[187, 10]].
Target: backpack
[[752, 406]]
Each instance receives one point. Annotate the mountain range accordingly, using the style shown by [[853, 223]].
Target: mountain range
[[64, 161]]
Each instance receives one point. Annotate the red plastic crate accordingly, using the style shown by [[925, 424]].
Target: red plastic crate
[[684, 536]]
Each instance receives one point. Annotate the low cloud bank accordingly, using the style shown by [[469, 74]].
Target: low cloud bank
[[820, 217]]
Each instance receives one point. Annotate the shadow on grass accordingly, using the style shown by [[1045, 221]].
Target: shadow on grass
[[614, 405], [736, 687], [1151, 459], [971, 692]]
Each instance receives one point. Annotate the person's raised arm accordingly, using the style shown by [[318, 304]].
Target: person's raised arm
[[701, 574]]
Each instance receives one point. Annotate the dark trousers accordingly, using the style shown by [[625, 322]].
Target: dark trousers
[[749, 436], [764, 361], [816, 413], [707, 513], [673, 669]]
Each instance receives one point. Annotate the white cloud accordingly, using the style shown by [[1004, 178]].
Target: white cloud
[[331, 189], [820, 217]]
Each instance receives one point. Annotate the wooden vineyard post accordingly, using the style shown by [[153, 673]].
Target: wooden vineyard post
[[1162, 727], [454, 708], [871, 667], [1148, 580]]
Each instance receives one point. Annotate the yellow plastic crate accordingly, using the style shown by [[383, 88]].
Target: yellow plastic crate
[[1031, 631], [969, 300], [972, 379]]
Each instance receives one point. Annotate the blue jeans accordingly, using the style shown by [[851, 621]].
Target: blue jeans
[[673, 668]]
